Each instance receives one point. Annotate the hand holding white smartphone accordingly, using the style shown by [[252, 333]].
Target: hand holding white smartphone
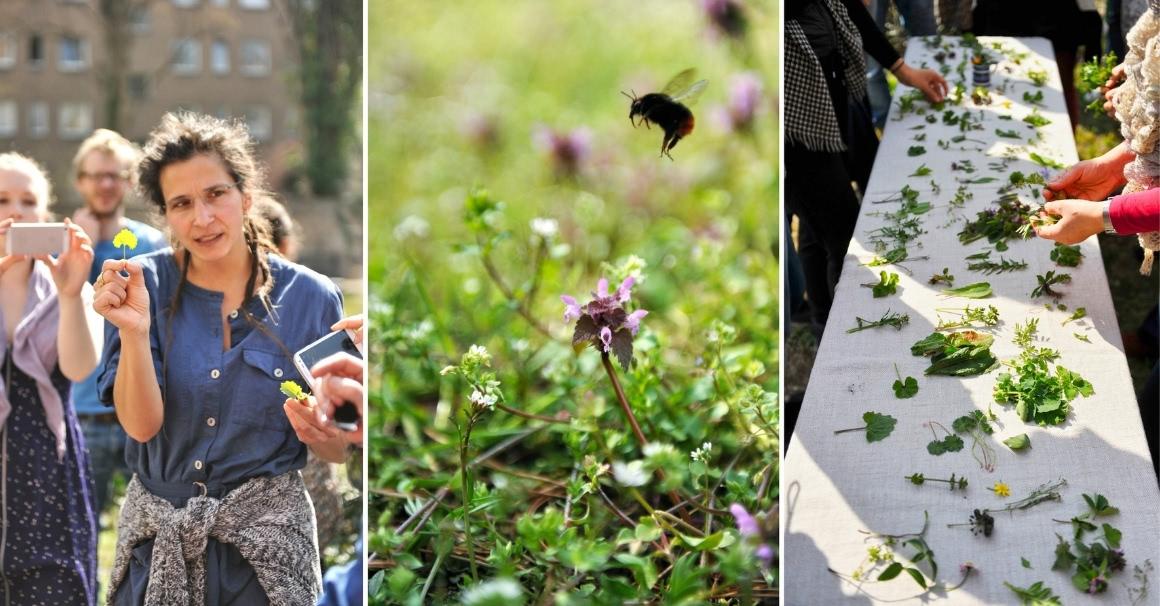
[[36, 239], [346, 416]]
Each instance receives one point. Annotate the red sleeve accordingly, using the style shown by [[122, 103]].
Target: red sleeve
[[1136, 213]]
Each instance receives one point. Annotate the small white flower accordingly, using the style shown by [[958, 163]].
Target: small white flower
[[477, 355], [630, 474], [545, 228], [412, 226], [448, 370], [495, 591], [485, 400]]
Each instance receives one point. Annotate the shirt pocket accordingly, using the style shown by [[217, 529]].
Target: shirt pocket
[[260, 402]]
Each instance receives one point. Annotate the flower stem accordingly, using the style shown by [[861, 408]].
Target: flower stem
[[838, 431], [467, 494], [622, 398]]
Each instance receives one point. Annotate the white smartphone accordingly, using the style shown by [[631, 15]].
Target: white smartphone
[[345, 416], [36, 239]]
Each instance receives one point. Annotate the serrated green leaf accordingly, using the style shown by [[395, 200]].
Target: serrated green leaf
[[906, 389], [878, 426]]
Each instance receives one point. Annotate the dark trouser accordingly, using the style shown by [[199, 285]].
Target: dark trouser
[[818, 191], [105, 441]]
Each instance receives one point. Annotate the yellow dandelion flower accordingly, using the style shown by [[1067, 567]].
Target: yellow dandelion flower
[[1001, 489], [125, 238]]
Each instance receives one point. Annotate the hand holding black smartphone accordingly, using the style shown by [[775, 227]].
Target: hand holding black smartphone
[[346, 415]]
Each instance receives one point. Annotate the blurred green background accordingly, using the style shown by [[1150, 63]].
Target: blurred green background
[[523, 99]]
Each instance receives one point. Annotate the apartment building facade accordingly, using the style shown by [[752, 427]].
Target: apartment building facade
[[230, 58]]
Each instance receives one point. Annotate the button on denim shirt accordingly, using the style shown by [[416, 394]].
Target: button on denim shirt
[[224, 421]]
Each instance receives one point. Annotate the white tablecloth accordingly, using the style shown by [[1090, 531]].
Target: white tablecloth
[[834, 485]]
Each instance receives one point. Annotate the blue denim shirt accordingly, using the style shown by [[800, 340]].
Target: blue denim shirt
[[84, 394], [224, 421]]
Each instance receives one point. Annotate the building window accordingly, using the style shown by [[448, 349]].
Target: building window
[[140, 21], [8, 119], [186, 56], [72, 54], [255, 59], [75, 121], [7, 50], [38, 117], [260, 121], [254, 5], [36, 50], [138, 85], [219, 57]]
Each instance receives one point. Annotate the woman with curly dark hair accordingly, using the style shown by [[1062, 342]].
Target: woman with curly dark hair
[[200, 336]]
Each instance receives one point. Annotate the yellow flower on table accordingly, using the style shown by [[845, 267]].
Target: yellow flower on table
[[1001, 489]]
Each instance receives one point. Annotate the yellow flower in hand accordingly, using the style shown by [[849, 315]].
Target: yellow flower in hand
[[125, 239], [1001, 489]]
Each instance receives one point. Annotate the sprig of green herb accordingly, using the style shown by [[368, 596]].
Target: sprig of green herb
[[1036, 119], [944, 278], [1039, 395], [889, 318], [921, 171], [1079, 313], [969, 316], [1093, 75], [1037, 594], [1046, 281], [955, 483]]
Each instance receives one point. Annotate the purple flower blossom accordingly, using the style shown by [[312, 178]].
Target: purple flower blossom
[[744, 100], [633, 320], [566, 151], [604, 322], [624, 291], [746, 523], [750, 529], [726, 17], [571, 308], [1097, 585]]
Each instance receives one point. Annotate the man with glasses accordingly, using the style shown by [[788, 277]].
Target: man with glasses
[[103, 170]]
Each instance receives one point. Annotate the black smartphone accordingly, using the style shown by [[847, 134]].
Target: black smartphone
[[346, 415]]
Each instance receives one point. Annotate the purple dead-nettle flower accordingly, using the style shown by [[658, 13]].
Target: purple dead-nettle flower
[[746, 523], [604, 322], [726, 17], [567, 151], [744, 100], [750, 529]]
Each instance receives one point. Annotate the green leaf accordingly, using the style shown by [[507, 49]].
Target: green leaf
[[1025, 563], [917, 576], [685, 586], [1112, 534], [1018, 442], [290, 389], [951, 443], [891, 571], [978, 290], [964, 423], [915, 150], [642, 569], [709, 543], [921, 171], [878, 426], [400, 581], [906, 389]]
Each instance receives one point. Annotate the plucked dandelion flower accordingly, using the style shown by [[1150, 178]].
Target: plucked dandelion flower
[[1001, 489]]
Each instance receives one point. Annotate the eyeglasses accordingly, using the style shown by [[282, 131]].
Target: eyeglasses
[[101, 176], [210, 195]]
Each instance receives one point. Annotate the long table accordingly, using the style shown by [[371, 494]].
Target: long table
[[836, 485]]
